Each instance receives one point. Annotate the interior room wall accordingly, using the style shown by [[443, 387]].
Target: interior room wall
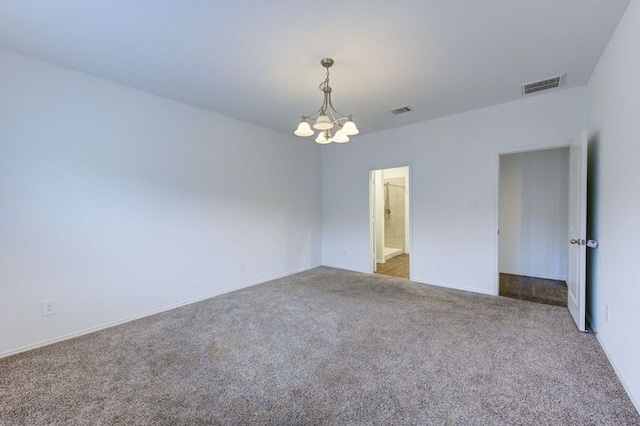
[[533, 223], [454, 185], [614, 219], [116, 203]]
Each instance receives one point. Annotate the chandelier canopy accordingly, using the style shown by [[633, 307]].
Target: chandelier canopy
[[326, 118]]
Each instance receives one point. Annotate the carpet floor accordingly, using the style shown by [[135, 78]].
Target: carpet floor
[[325, 347]]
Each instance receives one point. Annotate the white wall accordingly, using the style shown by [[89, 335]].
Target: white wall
[[117, 203], [534, 213], [614, 93], [454, 185]]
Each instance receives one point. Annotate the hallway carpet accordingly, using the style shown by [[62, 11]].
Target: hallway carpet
[[325, 347]]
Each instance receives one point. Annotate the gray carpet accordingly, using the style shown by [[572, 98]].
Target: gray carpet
[[325, 347]]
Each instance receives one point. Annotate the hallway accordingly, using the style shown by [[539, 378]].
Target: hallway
[[397, 266]]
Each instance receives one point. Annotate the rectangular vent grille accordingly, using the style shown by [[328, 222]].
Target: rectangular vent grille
[[401, 110], [547, 83]]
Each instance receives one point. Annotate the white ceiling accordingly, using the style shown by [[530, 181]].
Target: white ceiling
[[259, 61]]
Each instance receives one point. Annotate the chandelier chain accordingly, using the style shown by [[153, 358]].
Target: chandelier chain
[[325, 84]]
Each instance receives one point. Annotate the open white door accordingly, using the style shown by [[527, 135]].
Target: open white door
[[576, 280]]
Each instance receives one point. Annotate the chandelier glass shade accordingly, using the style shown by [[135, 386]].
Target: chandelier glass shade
[[327, 118]]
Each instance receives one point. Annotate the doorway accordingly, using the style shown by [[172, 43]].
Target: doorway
[[390, 222], [533, 225]]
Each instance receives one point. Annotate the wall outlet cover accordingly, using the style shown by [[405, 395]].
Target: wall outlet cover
[[48, 307]]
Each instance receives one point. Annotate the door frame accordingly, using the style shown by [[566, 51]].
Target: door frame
[[408, 227], [507, 151]]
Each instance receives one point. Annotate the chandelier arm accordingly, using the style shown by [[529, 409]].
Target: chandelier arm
[[314, 114], [330, 104], [323, 107], [336, 119], [331, 114]]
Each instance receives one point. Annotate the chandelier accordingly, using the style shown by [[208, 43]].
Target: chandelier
[[326, 118]]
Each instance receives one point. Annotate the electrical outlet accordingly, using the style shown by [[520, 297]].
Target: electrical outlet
[[243, 266], [48, 307], [606, 312], [436, 264]]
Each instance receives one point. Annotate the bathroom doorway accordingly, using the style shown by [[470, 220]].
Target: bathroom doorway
[[390, 222]]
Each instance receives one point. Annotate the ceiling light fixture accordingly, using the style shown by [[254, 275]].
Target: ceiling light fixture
[[326, 118]]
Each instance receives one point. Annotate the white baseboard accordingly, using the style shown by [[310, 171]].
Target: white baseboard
[[635, 399], [454, 287], [535, 275], [434, 283], [143, 315], [345, 269]]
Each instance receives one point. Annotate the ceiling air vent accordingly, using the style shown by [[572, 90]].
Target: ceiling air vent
[[401, 110], [547, 83]]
